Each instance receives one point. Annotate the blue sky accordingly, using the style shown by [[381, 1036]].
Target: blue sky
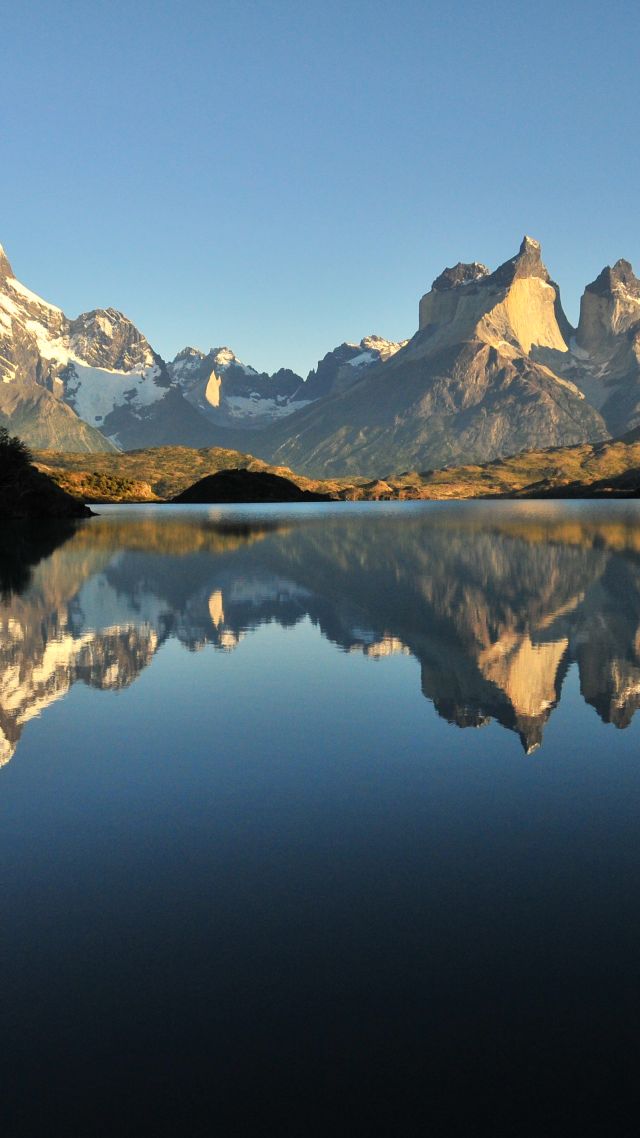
[[280, 176]]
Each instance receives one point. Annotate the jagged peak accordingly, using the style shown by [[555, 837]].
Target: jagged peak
[[460, 274], [223, 354], [95, 314], [526, 263], [188, 353], [374, 341], [615, 278]]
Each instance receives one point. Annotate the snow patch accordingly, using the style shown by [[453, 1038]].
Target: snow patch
[[9, 305], [224, 358], [49, 347], [242, 407], [95, 392], [363, 359]]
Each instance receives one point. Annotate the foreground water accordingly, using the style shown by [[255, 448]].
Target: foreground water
[[324, 811]]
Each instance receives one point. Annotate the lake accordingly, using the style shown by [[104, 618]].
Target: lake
[[327, 814]]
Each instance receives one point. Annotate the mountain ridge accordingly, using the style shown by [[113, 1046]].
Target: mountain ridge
[[493, 368]]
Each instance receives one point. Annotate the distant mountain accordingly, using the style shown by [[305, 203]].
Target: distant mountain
[[30, 387], [345, 365], [473, 384], [94, 383], [89, 384], [232, 394]]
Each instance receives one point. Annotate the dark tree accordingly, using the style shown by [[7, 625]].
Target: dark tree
[[15, 455]]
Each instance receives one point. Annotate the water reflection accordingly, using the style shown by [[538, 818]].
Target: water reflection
[[494, 602]]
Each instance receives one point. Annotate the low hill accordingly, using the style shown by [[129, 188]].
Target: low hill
[[247, 486]]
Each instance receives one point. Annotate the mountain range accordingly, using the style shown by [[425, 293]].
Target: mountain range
[[495, 368]]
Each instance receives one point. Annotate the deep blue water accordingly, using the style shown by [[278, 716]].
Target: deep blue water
[[323, 814]]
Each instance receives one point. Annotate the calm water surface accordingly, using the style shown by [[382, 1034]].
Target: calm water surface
[[329, 813]]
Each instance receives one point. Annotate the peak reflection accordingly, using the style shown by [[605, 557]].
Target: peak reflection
[[494, 603]]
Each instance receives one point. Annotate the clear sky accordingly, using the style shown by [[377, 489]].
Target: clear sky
[[281, 176]]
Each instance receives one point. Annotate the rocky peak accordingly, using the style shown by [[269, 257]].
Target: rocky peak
[[188, 353], [620, 278], [107, 338], [526, 263], [514, 309], [460, 274], [224, 357], [609, 310]]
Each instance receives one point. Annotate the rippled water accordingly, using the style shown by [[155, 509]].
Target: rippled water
[[325, 810]]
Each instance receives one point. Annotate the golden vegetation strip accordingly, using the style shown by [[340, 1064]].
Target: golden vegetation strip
[[159, 473]]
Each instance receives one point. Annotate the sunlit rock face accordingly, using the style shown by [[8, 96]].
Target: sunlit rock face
[[494, 605], [513, 309]]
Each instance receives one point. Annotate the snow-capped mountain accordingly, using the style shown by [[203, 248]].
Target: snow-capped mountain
[[230, 393], [344, 365], [95, 383], [84, 384], [234, 395]]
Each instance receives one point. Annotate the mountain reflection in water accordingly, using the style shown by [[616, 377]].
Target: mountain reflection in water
[[494, 601]]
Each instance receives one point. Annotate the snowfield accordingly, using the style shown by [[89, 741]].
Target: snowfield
[[94, 392]]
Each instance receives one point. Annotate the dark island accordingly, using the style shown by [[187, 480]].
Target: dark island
[[236, 486]]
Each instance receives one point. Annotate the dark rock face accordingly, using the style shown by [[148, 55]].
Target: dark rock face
[[526, 263], [344, 366], [246, 486], [610, 278], [460, 274]]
